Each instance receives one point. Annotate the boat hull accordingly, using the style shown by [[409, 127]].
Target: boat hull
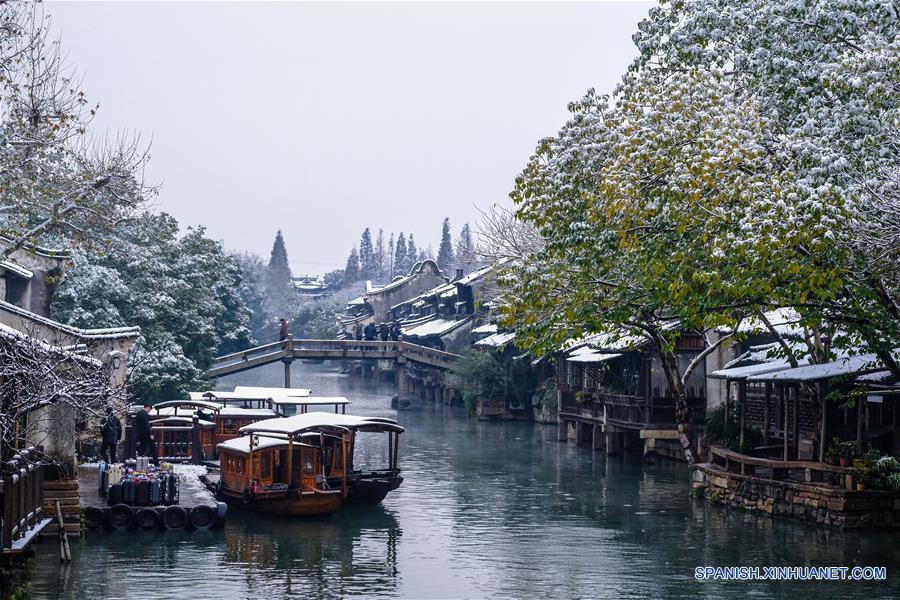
[[372, 491], [302, 504]]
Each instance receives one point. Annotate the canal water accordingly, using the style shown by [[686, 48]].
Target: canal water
[[486, 510]]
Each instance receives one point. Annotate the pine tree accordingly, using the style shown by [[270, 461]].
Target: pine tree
[[390, 258], [366, 255], [465, 248], [351, 270], [445, 258], [281, 298], [400, 266], [379, 264], [412, 253]]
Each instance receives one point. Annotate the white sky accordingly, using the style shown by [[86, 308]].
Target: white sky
[[322, 119]]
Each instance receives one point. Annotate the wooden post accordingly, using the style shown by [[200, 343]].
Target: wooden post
[[65, 553], [797, 422], [742, 398], [785, 427], [859, 420], [196, 447], [290, 461], [727, 399], [766, 413], [823, 434]]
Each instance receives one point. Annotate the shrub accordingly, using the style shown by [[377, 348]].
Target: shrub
[[729, 434]]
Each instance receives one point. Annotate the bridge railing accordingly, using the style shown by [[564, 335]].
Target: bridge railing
[[250, 352], [427, 355]]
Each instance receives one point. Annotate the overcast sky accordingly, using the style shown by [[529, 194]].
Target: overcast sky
[[323, 119]]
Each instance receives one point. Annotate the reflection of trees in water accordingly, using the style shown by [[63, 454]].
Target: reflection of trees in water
[[354, 550]]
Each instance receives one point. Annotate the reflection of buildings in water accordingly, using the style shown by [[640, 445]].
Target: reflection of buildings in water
[[353, 549]]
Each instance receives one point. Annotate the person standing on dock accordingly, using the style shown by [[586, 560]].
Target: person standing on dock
[[283, 330], [145, 439], [110, 434]]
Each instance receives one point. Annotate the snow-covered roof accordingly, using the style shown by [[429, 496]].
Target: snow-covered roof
[[876, 377], [270, 392], [242, 444], [17, 269], [164, 419], [486, 328], [357, 301], [314, 420], [496, 340], [757, 369], [475, 275], [187, 404], [863, 363], [786, 321], [592, 357], [237, 411], [67, 352], [434, 327], [86, 334], [609, 342], [310, 400]]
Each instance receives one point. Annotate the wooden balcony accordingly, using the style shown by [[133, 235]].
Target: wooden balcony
[[639, 412]]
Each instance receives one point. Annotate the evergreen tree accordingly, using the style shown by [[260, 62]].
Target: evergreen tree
[[351, 270], [281, 297], [412, 253], [366, 255], [390, 258], [445, 258], [379, 262], [465, 248], [400, 266]]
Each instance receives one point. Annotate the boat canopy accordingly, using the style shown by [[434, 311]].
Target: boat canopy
[[242, 444], [193, 404], [300, 423], [272, 392], [310, 400]]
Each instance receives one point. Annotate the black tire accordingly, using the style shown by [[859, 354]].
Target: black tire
[[175, 517], [203, 517], [146, 518], [120, 517], [94, 518]]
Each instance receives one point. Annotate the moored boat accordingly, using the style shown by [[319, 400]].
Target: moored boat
[[303, 465]]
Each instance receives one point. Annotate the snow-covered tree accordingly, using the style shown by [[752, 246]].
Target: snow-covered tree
[[400, 261], [183, 292], [445, 258], [391, 248], [253, 292], [366, 255], [351, 270], [412, 253], [56, 179], [379, 257], [281, 299], [466, 251]]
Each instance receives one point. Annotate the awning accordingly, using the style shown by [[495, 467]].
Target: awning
[[592, 357], [861, 364]]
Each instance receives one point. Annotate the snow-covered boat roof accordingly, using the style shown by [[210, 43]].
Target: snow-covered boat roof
[[310, 400], [181, 420], [862, 364], [237, 411], [434, 327], [242, 444], [486, 328], [315, 420], [187, 404], [496, 340], [271, 392]]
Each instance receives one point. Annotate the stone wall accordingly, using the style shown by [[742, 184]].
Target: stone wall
[[809, 502]]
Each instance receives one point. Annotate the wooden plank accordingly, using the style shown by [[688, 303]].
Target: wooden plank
[[21, 545]]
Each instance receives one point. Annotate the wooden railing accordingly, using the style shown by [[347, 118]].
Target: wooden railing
[[22, 494], [628, 409], [291, 349], [780, 470]]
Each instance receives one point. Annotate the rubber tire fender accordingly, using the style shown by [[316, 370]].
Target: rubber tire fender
[[175, 517], [146, 518], [94, 518], [120, 517], [203, 517]]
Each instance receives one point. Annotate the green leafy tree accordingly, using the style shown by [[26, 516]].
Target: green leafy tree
[[351, 270]]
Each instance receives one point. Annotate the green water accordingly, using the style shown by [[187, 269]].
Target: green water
[[486, 510]]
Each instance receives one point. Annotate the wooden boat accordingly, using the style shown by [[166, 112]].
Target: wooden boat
[[172, 424], [303, 465]]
